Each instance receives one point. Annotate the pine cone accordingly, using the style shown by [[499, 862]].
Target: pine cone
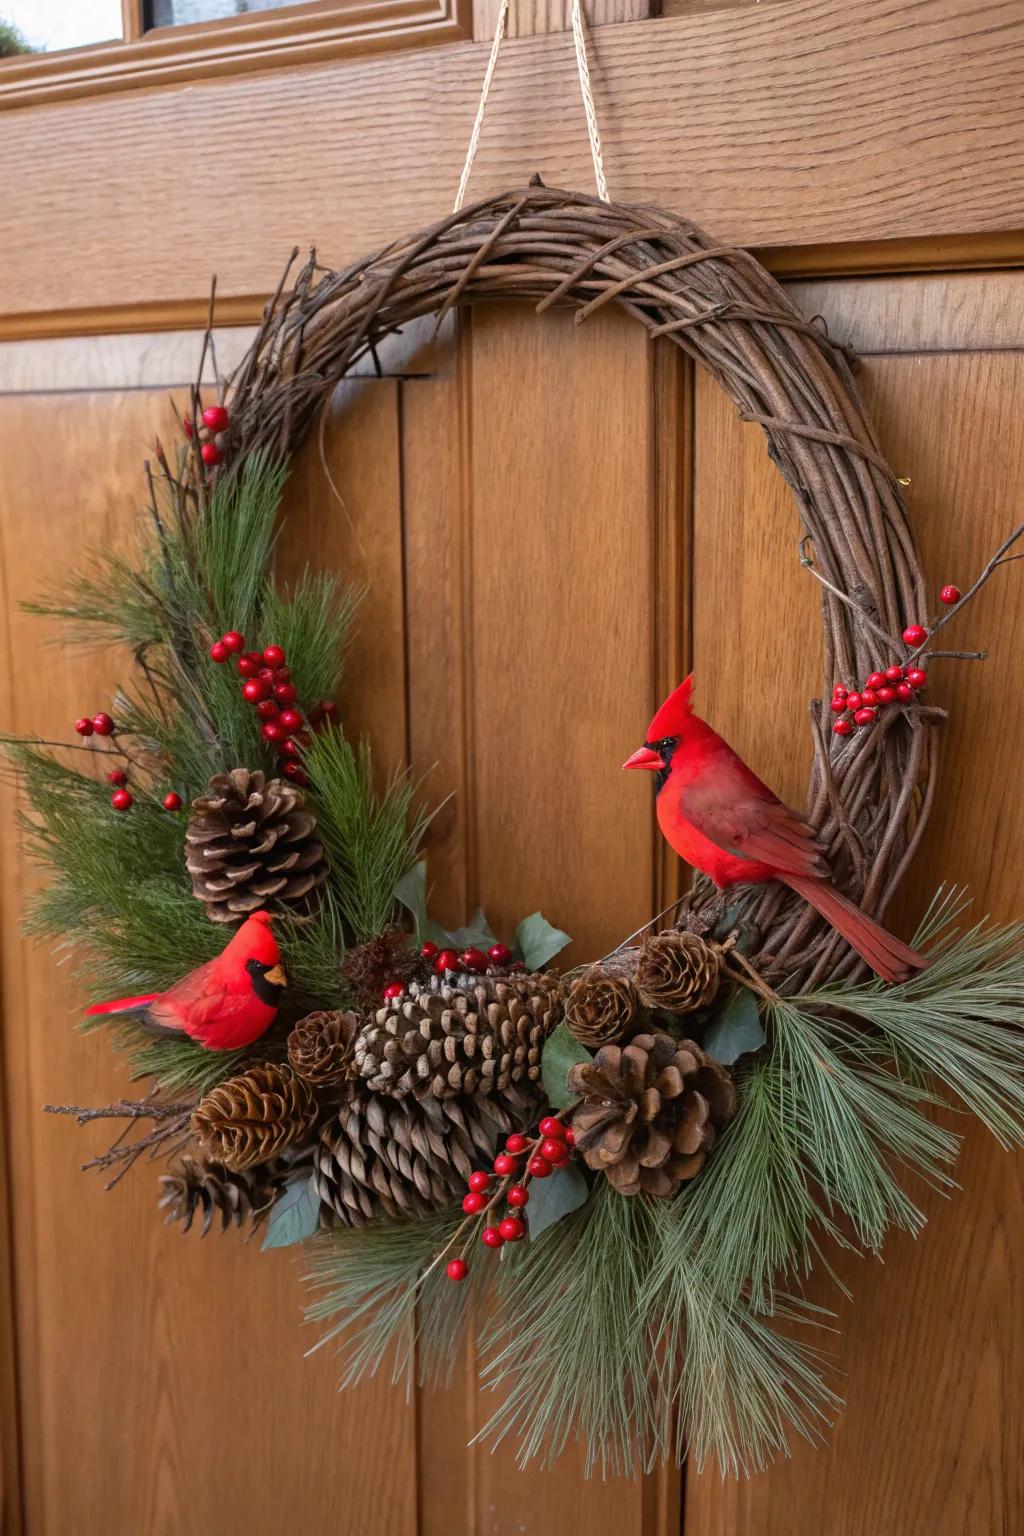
[[469, 1035], [320, 1047], [600, 1007], [650, 1112], [251, 843], [195, 1186], [252, 1117], [677, 972], [407, 1157]]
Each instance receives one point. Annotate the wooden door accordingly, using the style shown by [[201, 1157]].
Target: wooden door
[[517, 492]]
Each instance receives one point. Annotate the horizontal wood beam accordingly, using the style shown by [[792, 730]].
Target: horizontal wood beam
[[796, 123]]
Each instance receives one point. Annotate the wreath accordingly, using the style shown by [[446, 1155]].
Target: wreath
[[661, 1143]]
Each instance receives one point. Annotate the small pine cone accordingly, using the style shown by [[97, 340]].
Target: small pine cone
[[388, 956], [650, 1112], [252, 1117], [600, 1007], [320, 1047], [677, 972], [407, 1157], [466, 1035], [251, 843], [197, 1188]]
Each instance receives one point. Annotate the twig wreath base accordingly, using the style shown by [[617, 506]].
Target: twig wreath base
[[688, 1123]]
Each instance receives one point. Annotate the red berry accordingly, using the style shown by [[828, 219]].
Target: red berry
[[272, 732], [393, 990], [117, 776], [103, 725], [254, 690], [875, 680], [215, 418], [211, 454], [904, 691], [518, 1196], [328, 711], [295, 772], [121, 800], [458, 1269], [517, 965], [248, 666], [490, 1236], [511, 1229], [428, 950], [915, 634], [864, 716], [290, 720], [473, 1203], [853, 701], [869, 697], [479, 1181], [504, 1165], [499, 954], [894, 674], [84, 727], [886, 694], [289, 744], [838, 706], [219, 651], [172, 801], [538, 1167], [570, 1137], [234, 641], [842, 728], [285, 693], [473, 960], [268, 674], [553, 1150], [549, 1126], [273, 655], [516, 1143], [283, 674], [266, 709], [447, 960], [915, 677], [950, 594], [186, 422], [839, 691]]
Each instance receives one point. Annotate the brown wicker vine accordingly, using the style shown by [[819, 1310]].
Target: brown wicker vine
[[868, 796]]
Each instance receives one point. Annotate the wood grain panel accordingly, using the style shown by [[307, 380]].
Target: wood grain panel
[[867, 122], [932, 1346], [530, 18], [156, 1369]]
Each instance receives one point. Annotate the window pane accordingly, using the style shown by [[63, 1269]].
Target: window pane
[[178, 13], [45, 26]]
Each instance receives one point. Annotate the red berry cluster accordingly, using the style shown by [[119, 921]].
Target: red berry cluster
[[498, 957], [896, 685], [214, 420], [268, 687], [122, 798], [546, 1152]]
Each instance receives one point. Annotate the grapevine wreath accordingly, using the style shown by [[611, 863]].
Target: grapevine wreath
[[660, 1143]]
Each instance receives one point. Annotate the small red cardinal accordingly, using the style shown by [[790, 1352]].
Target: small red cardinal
[[720, 818], [225, 1004]]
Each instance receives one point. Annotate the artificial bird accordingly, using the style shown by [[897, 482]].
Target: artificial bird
[[222, 1005], [723, 820]]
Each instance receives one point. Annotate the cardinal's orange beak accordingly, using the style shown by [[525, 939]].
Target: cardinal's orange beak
[[644, 758], [276, 976]]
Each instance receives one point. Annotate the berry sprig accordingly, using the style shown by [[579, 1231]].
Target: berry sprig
[[267, 685], [122, 798], [213, 422], [544, 1153], [450, 962]]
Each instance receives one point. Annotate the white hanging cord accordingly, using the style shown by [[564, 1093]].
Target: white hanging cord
[[582, 69]]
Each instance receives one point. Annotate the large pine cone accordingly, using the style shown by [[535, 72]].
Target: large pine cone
[[677, 972], [468, 1035], [320, 1047], [251, 843], [197, 1189], [407, 1157], [650, 1112], [252, 1117]]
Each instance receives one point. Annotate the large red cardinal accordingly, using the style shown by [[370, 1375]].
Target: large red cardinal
[[225, 1004], [720, 818]]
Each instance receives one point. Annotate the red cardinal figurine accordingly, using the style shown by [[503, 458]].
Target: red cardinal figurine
[[720, 818], [227, 1003]]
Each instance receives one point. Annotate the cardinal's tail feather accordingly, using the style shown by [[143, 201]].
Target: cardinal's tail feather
[[887, 955], [124, 1005]]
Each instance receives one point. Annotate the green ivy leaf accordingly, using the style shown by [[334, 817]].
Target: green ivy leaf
[[735, 1029], [561, 1052], [476, 935], [411, 891], [552, 1198], [748, 938], [539, 942], [294, 1216]]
